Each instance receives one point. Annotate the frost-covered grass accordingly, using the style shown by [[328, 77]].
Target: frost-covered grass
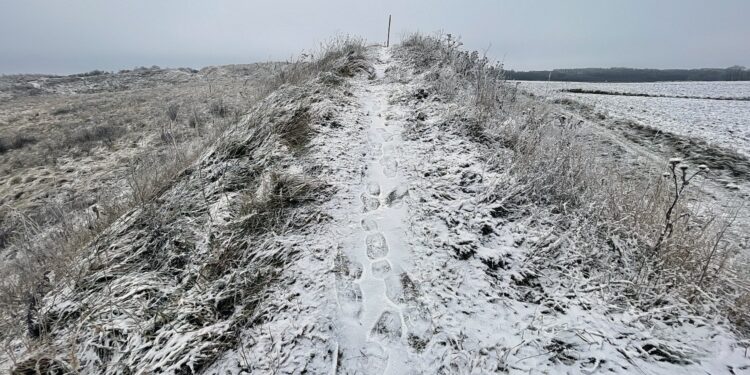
[[166, 282], [327, 58], [103, 145], [511, 241], [266, 208], [667, 242], [644, 233]]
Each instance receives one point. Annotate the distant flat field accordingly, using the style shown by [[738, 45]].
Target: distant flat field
[[723, 122]]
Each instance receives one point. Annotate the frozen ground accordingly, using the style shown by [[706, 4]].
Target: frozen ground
[[718, 89], [686, 124], [70, 144], [430, 276], [722, 122], [407, 261]]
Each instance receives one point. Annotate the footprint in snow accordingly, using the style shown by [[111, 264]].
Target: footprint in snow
[[369, 202], [390, 166], [381, 268], [418, 322], [346, 268], [377, 247], [376, 142], [369, 225], [349, 295], [370, 358], [385, 134], [400, 288], [373, 188], [388, 326], [396, 195], [392, 149]]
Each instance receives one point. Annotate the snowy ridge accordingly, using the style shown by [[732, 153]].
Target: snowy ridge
[[499, 301], [379, 308], [479, 292], [207, 277], [408, 257]]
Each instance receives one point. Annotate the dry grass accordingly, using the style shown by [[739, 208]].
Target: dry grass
[[451, 70], [666, 235], [97, 156], [64, 190], [650, 226], [265, 209], [15, 142], [165, 204], [342, 56]]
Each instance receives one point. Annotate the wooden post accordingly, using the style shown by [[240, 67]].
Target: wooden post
[[388, 39]]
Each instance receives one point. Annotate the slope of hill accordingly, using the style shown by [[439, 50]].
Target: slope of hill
[[395, 211]]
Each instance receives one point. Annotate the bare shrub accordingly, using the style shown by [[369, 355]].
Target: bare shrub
[[87, 137], [172, 112], [218, 109], [92, 73], [15, 142], [195, 120], [63, 110], [264, 209], [678, 189]]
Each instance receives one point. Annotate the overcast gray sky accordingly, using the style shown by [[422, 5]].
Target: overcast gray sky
[[67, 36]]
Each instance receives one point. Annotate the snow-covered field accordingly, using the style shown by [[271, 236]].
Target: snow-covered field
[[722, 122]]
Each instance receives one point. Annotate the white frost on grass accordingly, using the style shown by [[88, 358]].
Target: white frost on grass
[[497, 299], [409, 267]]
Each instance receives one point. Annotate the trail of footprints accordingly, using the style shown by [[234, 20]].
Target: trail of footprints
[[407, 318]]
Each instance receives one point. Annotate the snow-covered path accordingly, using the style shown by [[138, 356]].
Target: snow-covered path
[[432, 274], [417, 289], [414, 253], [377, 306]]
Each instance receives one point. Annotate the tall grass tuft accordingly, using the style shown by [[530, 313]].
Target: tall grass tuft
[[651, 226]]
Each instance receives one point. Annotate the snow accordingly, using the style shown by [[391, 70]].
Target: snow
[[487, 310], [434, 283], [413, 265], [378, 244], [722, 122]]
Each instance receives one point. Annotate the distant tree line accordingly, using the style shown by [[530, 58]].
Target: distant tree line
[[604, 92], [734, 73]]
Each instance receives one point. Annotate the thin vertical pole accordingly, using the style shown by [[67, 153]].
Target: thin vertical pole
[[388, 40]]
